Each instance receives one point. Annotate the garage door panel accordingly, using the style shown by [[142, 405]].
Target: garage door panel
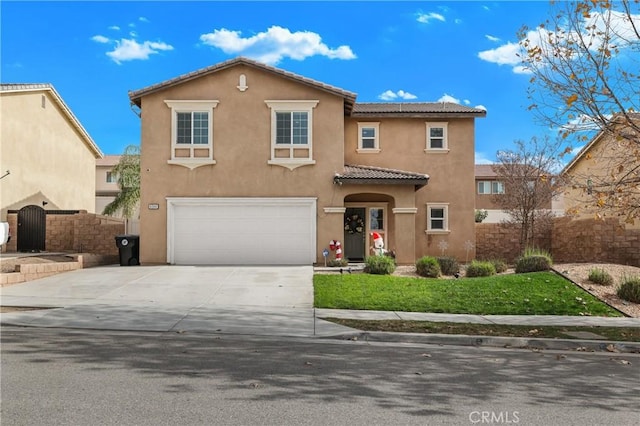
[[242, 231]]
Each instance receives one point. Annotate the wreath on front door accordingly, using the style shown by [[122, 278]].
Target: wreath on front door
[[353, 224]]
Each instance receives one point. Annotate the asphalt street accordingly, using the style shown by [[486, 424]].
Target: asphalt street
[[81, 377]]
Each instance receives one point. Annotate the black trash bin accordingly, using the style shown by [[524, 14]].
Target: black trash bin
[[129, 248]]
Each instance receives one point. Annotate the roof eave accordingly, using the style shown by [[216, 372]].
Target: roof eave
[[419, 114], [417, 183]]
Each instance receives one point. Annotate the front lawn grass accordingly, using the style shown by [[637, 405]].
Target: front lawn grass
[[537, 293]]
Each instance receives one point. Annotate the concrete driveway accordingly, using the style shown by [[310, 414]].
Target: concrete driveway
[[247, 300]]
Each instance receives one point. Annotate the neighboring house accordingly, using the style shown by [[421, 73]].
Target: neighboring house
[[245, 163], [49, 158], [590, 171], [487, 187], [107, 189]]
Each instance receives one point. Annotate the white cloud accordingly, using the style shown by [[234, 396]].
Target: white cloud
[[133, 34], [114, 28], [143, 19], [458, 21], [275, 44], [448, 98], [507, 54], [482, 107], [424, 18], [481, 158], [100, 39], [466, 101], [491, 38], [390, 95], [128, 50], [622, 29]]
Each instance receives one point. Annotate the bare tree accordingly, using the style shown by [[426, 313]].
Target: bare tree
[[585, 67], [529, 183]]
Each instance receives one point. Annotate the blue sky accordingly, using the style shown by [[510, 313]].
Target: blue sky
[[95, 52]]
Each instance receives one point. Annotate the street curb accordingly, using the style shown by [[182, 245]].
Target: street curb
[[490, 341]]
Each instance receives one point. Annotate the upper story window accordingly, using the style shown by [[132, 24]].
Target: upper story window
[[191, 132], [368, 137], [490, 187], [437, 137], [112, 177], [437, 218], [291, 133]]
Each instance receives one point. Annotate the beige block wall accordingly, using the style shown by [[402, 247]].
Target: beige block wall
[[241, 146], [48, 159], [81, 232]]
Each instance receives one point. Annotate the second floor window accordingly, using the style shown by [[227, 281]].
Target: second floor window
[[112, 177], [490, 187], [437, 137], [291, 132], [193, 127], [368, 137]]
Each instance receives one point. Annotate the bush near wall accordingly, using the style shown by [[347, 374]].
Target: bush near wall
[[502, 241], [569, 240]]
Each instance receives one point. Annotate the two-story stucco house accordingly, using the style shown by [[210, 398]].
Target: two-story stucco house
[[245, 163], [48, 154]]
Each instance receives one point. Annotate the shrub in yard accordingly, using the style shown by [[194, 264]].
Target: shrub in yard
[[534, 251], [600, 276], [448, 265], [480, 269], [338, 263], [428, 266], [630, 289], [380, 265], [499, 264], [532, 264]]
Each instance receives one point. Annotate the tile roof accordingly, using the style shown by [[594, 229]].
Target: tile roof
[[484, 170], [108, 160], [136, 95], [420, 109], [47, 87], [354, 174]]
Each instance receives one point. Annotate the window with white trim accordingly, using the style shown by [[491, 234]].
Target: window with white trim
[[191, 132], [291, 133], [437, 217], [112, 177], [490, 187], [437, 137], [369, 137]]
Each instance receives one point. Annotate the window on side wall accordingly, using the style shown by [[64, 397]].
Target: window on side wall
[[291, 133], [112, 177], [437, 138], [191, 132], [437, 218], [368, 137]]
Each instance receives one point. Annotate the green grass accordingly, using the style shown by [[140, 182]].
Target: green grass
[[537, 293]]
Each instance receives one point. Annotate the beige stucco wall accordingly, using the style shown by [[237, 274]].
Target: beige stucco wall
[[48, 159], [241, 146], [452, 181], [602, 159]]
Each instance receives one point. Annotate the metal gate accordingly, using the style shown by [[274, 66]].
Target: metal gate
[[32, 225]]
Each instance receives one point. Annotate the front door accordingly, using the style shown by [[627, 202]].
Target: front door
[[354, 233]]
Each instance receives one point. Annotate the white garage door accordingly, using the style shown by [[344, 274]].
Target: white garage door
[[241, 231]]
